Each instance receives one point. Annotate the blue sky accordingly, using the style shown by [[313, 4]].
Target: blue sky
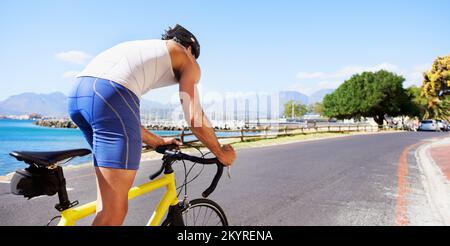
[[252, 45]]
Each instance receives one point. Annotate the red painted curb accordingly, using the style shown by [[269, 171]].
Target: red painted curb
[[403, 189]]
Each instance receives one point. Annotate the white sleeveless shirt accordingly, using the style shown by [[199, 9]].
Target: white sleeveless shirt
[[137, 65]]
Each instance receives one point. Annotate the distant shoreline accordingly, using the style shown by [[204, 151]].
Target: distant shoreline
[[63, 123], [66, 123]]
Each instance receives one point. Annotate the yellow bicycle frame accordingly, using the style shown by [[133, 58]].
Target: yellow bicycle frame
[[170, 198]]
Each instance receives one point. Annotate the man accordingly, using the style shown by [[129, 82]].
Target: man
[[105, 105]]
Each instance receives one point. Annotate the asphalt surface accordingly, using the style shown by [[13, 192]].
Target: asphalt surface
[[343, 181]]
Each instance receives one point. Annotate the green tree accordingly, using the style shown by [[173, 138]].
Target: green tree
[[436, 83], [310, 108], [439, 110], [417, 106], [436, 89], [368, 95], [420, 106], [293, 109], [318, 108]]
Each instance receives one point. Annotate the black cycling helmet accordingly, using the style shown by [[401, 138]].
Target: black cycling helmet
[[182, 36]]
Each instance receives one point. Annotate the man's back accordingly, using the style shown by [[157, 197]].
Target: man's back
[[138, 65]]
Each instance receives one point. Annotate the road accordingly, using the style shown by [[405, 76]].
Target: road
[[355, 180]]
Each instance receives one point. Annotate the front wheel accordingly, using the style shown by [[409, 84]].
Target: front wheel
[[200, 212]]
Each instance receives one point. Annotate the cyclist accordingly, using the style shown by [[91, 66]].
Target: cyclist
[[105, 105]]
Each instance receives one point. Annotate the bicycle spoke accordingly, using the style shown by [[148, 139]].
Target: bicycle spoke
[[199, 212], [210, 215], [193, 214], [204, 219], [202, 215], [212, 211]]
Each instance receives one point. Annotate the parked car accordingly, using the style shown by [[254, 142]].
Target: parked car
[[443, 125], [429, 125]]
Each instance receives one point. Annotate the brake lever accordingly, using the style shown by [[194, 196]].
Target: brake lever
[[229, 172]]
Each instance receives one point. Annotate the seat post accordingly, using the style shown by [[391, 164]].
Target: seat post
[[64, 202]]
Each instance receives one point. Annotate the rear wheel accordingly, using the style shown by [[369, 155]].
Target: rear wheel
[[201, 212]]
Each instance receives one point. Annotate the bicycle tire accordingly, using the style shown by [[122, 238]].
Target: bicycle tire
[[198, 204]]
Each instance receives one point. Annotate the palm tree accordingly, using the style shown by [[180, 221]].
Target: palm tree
[[428, 107], [438, 109]]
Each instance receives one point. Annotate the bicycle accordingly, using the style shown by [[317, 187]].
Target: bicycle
[[45, 176]]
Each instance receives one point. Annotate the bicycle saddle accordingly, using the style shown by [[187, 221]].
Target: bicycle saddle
[[45, 159]]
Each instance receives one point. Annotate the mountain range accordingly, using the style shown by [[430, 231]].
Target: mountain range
[[55, 104], [316, 97], [286, 96]]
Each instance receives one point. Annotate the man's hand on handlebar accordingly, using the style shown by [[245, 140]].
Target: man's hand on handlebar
[[170, 141], [228, 155], [154, 141], [170, 156]]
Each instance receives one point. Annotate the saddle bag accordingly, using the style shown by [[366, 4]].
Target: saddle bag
[[33, 182]]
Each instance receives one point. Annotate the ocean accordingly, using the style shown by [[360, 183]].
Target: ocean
[[16, 135], [23, 135]]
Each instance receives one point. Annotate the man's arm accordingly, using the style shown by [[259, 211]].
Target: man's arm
[[154, 141], [151, 139], [197, 120]]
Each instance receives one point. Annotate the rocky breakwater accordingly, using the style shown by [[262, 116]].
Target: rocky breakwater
[[163, 128], [56, 123]]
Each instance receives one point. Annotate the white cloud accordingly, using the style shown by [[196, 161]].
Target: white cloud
[[415, 77], [346, 72], [74, 56], [313, 75], [351, 70], [329, 84], [310, 87], [306, 88], [311, 82], [70, 74]]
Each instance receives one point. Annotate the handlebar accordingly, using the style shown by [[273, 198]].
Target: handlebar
[[170, 151]]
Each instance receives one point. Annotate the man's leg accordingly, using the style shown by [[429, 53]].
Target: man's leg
[[117, 149], [113, 186]]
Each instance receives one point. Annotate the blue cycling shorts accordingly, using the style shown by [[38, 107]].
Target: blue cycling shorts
[[108, 115]]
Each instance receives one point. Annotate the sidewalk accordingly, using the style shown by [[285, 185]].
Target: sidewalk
[[441, 156], [434, 163]]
